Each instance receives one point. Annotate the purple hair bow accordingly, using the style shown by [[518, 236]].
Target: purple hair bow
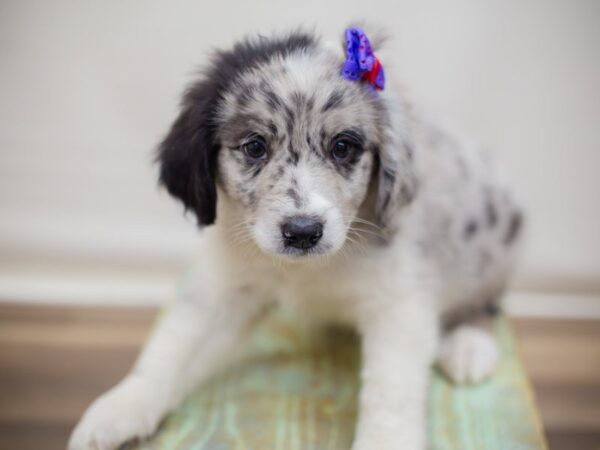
[[361, 63]]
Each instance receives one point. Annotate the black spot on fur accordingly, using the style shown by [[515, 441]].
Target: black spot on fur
[[470, 231], [409, 152], [490, 213], [310, 103], [323, 137], [279, 173], [313, 148], [492, 309], [255, 170], [333, 101], [273, 129], [252, 198], [274, 102], [389, 175], [289, 119], [293, 194], [386, 200], [188, 154], [245, 96], [294, 157], [514, 226]]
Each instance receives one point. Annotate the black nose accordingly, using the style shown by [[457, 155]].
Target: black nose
[[301, 232]]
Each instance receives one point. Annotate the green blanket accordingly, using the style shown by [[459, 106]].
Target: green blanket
[[297, 390]]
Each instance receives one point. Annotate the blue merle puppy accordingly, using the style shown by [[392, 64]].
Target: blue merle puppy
[[333, 196]]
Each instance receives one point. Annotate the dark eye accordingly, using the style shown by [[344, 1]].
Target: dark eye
[[342, 149], [255, 150]]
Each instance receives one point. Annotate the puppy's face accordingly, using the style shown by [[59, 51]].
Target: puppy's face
[[292, 145], [297, 153]]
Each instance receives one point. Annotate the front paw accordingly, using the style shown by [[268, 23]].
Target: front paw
[[130, 410], [468, 355]]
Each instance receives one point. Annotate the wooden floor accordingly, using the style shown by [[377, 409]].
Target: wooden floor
[[55, 360]]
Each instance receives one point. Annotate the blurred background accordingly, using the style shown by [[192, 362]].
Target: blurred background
[[87, 89]]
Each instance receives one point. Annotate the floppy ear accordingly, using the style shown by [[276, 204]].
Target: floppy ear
[[188, 154], [397, 179]]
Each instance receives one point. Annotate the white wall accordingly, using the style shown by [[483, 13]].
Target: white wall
[[88, 88]]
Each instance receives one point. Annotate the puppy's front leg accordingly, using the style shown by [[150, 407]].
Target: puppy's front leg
[[185, 347], [398, 342]]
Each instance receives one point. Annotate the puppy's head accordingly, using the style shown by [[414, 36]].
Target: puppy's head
[[293, 146]]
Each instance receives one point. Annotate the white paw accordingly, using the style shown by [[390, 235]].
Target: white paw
[[130, 410], [468, 354]]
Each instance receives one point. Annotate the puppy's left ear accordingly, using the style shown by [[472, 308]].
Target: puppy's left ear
[[397, 179], [188, 154]]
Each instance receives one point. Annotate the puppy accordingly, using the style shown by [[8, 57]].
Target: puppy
[[322, 189]]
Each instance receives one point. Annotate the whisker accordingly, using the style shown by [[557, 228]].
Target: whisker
[[362, 230], [361, 220]]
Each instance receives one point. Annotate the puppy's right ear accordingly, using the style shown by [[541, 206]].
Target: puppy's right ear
[[188, 154], [397, 176]]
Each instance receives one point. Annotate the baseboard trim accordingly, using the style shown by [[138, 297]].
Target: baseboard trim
[[118, 289], [553, 305], [86, 289]]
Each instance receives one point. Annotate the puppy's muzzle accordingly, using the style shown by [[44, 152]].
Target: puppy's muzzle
[[301, 232]]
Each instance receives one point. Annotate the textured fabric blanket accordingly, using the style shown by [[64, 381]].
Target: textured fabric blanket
[[296, 389]]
